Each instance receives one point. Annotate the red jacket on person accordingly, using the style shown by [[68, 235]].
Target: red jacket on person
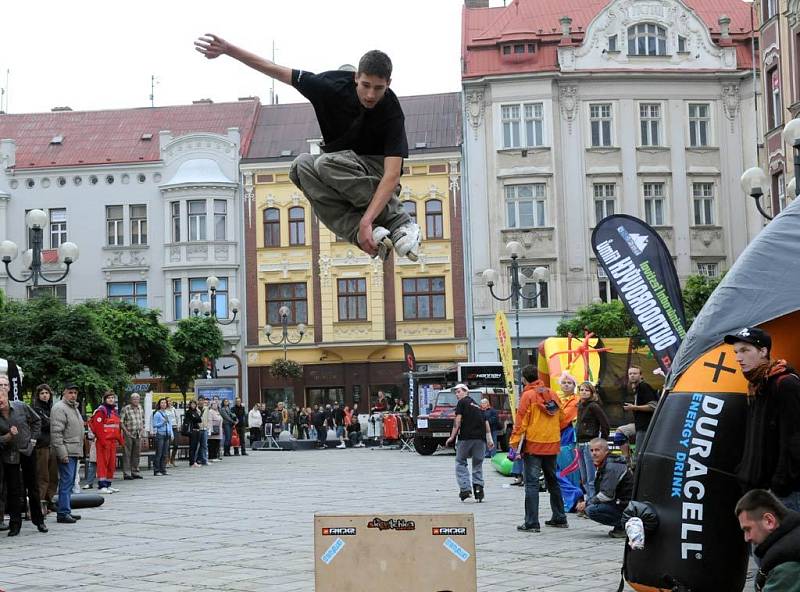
[[105, 425]]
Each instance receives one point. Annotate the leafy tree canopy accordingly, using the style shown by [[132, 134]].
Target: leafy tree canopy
[[604, 319], [194, 340]]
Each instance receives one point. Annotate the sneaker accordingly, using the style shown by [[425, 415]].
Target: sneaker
[[406, 241], [342, 445], [137, 476], [88, 486], [617, 533], [464, 494], [528, 528], [556, 523], [478, 489], [105, 491], [381, 236], [194, 466]]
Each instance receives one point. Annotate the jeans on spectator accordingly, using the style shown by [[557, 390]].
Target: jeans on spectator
[[66, 480], [227, 433], [162, 447], [194, 446], [12, 479], [91, 473], [791, 501], [202, 457], [607, 513], [476, 450], [213, 448], [174, 452], [242, 442], [30, 486], [533, 465], [355, 438], [587, 469], [322, 435], [517, 468]]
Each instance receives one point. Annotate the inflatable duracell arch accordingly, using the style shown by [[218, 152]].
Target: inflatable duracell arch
[[687, 473]]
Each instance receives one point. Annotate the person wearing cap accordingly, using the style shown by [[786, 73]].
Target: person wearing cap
[[472, 429], [66, 441], [771, 457]]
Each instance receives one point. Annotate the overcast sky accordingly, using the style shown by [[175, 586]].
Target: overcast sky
[[91, 55]]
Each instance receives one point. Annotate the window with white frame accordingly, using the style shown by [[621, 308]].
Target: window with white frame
[[775, 102], [709, 270], [703, 199], [647, 39], [138, 217], [58, 227], [650, 124], [175, 210], [654, 204], [699, 125], [523, 125], [605, 289], [198, 288], [130, 292], [600, 121], [220, 219], [114, 226], [197, 220], [525, 205], [535, 294], [57, 291], [605, 196], [781, 192], [177, 299]]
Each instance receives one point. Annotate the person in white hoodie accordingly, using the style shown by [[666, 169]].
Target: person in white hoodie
[[255, 422]]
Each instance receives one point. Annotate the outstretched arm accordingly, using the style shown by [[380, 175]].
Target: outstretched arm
[[213, 46]]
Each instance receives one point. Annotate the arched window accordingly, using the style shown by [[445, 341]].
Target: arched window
[[272, 227], [647, 39], [410, 207], [297, 226], [434, 227]]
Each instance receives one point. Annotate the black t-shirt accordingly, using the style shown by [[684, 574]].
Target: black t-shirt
[[642, 395], [345, 123], [473, 426]]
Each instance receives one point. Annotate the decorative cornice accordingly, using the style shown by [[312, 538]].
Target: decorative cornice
[[568, 101], [730, 102]]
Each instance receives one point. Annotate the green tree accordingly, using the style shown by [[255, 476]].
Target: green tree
[[141, 340], [695, 293], [58, 343], [194, 340], [604, 319]]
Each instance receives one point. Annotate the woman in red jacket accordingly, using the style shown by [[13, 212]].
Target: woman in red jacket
[[106, 429]]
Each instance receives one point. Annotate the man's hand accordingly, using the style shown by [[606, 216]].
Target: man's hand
[[211, 46], [580, 506], [489, 442], [64, 460], [450, 441], [629, 407], [365, 240]]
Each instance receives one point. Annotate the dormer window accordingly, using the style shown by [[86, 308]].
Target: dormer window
[[506, 50], [612, 43], [518, 49], [682, 44], [647, 39]]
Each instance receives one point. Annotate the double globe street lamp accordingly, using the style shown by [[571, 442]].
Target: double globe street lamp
[[540, 274], [283, 314], [32, 258], [755, 181], [209, 309]]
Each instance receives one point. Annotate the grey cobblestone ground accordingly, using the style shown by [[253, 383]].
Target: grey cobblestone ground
[[246, 525]]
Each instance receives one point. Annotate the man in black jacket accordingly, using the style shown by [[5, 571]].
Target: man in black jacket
[[614, 485], [775, 532], [240, 412], [771, 457], [319, 420]]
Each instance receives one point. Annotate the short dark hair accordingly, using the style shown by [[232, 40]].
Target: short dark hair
[[375, 63], [530, 373], [758, 502]]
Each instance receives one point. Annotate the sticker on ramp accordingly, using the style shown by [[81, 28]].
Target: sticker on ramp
[[328, 556], [455, 549]]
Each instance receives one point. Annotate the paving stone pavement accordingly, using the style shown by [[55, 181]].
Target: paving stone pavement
[[246, 524]]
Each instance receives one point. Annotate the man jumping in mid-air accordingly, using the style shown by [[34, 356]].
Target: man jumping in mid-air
[[353, 185]]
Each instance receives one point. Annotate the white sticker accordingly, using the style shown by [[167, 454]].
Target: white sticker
[[328, 556], [456, 549], [422, 423]]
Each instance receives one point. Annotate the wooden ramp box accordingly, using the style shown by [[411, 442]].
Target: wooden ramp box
[[395, 553]]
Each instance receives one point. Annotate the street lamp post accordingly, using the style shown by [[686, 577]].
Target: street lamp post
[[753, 181], [283, 313], [209, 308], [32, 258], [540, 274]]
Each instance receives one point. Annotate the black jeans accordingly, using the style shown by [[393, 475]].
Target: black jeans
[[322, 435], [535, 464], [242, 442], [194, 446], [213, 448], [30, 482], [12, 479]]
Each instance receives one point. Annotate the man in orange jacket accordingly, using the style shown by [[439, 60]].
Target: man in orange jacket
[[537, 437]]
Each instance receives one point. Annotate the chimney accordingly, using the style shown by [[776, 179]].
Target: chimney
[[725, 26], [566, 26], [476, 3]]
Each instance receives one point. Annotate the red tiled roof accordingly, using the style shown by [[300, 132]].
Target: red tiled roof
[[433, 119], [484, 28], [114, 137]]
